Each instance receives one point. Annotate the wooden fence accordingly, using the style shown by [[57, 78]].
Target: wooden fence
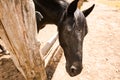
[[18, 31]]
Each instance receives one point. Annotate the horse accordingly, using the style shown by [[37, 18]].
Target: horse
[[72, 28]]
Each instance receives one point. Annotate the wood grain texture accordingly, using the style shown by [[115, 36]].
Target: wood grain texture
[[18, 31]]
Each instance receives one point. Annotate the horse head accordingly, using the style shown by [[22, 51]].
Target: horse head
[[72, 29]]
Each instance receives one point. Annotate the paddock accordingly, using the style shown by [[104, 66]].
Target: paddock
[[101, 51]]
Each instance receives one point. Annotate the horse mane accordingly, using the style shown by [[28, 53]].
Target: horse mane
[[52, 4], [51, 10]]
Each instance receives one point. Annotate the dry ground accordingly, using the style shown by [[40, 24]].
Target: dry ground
[[101, 57]]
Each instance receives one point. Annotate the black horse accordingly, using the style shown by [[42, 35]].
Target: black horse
[[72, 28]]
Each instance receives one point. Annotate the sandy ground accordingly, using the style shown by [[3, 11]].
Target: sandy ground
[[101, 55], [101, 50]]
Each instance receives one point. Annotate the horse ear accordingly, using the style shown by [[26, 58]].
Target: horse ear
[[72, 7], [88, 11]]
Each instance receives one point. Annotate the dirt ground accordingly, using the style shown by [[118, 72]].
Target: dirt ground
[[101, 50], [101, 53]]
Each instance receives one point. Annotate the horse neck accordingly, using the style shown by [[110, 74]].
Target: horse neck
[[51, 10]]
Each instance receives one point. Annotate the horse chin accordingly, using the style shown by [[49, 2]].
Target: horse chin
[[73, 70]]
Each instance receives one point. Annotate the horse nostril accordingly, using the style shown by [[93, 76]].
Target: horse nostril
[[73, 69]]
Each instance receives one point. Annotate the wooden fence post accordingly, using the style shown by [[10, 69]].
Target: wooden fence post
[[18, 31]]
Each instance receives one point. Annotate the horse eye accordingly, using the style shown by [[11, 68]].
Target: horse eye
[[79, 29]]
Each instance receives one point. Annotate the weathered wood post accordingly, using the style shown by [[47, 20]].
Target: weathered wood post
[[18, 31]]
